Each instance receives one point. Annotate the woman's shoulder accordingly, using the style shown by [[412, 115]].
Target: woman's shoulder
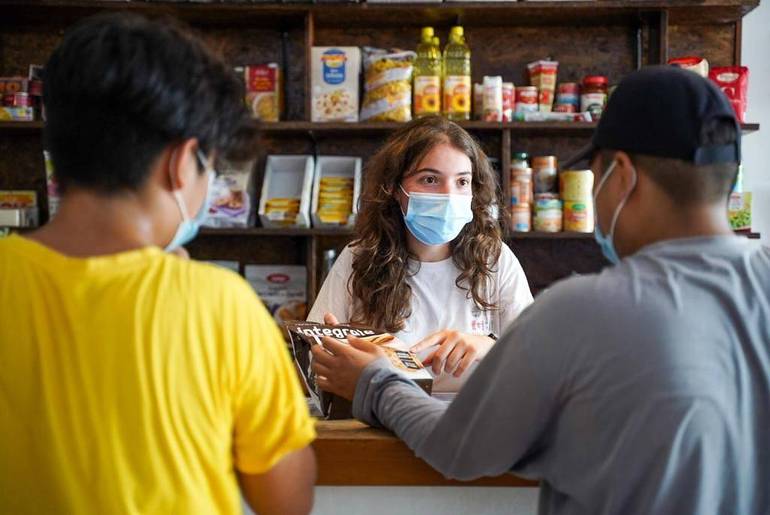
[[507, 260]]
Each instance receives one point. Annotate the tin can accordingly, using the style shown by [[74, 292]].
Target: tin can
[[521, 186], [521, 217], [548, 213], [576, 185], [20, 100], [578, 216], [568, 97], [526, 99], [544, 173]]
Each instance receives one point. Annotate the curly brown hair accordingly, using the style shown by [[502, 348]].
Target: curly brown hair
[[381, 258]]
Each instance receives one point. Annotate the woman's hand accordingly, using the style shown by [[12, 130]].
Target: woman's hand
[[456, 351], [330, 319]]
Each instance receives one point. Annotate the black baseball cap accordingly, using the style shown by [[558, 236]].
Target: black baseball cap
[[659, 111]]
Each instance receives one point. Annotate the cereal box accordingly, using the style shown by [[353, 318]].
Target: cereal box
[[283, 289], [334, 84], [263, 91]]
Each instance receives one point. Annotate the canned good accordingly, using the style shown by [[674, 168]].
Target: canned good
[[521, 187], [578, 216], [526, 99], [521, 217], [576, 185], [20, 100], [568, 97], [548, 220], [544, 173], [519, 161]]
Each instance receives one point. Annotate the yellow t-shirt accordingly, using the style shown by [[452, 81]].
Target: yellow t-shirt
[[136, 383]]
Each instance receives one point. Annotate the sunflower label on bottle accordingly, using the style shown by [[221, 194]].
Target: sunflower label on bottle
[[457, 95], [427, 95]]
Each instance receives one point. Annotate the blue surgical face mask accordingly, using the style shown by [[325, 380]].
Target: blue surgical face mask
[[188, 227], [437, 218], [606, 242]]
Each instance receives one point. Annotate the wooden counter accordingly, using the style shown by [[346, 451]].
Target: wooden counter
[[353, 454]]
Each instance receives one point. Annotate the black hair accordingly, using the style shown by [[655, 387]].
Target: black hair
[[120, 88], [687, 183]]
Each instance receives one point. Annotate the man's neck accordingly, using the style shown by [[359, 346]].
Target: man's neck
[[690, 223], [88, 225]]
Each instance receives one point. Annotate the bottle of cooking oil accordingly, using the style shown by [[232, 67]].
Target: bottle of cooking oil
[[427, 75], [457, 76]]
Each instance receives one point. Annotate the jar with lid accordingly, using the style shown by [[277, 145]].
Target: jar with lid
[[519, 161], [593, 98]]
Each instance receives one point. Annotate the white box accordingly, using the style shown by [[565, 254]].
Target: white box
[[334, 80], [287, 177], [336, 166]]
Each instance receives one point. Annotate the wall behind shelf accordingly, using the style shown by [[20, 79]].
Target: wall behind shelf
[[756, 151]]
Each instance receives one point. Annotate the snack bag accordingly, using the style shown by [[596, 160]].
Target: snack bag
[[232, 196], [306, 334], [388, 85]]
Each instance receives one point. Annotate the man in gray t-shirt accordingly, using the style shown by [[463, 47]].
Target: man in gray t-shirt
[[642, 389]]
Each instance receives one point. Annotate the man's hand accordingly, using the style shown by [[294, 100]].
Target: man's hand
[[456, 351], [338, 366]]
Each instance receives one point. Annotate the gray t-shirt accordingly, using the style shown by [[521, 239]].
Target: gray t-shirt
[[643, 389]]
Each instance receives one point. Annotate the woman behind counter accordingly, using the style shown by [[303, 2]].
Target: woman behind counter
[[428, 263]]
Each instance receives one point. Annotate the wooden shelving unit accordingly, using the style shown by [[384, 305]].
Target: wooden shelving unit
[[609, 37]]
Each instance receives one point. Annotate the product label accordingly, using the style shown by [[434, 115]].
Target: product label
[[427, 95], [334, 66], [457, 94], [593, 103]]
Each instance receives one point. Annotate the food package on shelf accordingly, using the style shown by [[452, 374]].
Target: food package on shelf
[[18, 208], [336, 189], [334, 73], [734, 81], [282, 288], [231, 201], [263, 91], [387, 85], [542, 75], [695, 64], [739, 211], [285, 199]]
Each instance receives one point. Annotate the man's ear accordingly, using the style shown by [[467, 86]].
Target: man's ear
[[625, 169], [181, 162]]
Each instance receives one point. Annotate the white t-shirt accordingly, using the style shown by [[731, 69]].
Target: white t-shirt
[[437, 303]]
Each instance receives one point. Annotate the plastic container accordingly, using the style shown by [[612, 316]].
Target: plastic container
[[287, 179]]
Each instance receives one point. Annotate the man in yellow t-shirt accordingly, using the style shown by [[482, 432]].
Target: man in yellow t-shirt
[[133, 381]]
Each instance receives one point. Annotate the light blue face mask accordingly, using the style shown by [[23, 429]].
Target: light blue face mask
[[188, 227], [606, 242], [437, 218]]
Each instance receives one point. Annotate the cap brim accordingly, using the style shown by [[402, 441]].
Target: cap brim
[[584, 154]]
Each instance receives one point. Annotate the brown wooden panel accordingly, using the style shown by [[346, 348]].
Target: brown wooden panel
[[262, 250], [350, 453], [254, 46], [546, 261], [714, 42], [22, 166]]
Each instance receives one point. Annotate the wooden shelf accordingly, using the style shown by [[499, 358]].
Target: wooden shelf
[[542, 128], [277, 15], [263, 231], [297, 127]]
